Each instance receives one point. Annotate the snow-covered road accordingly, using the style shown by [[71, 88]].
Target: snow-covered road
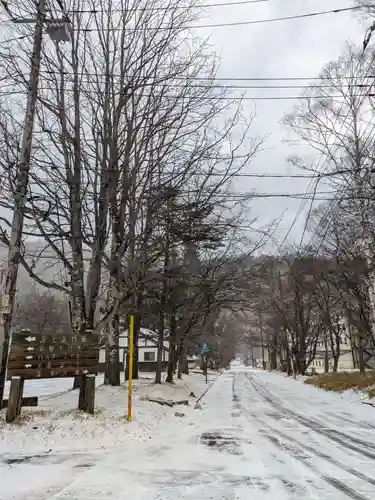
[[259, 436]]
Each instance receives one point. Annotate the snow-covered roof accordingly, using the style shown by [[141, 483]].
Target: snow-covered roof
[[143, 332], [147, 338]]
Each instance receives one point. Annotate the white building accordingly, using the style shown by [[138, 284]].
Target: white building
[[148, 351], [346, 360]]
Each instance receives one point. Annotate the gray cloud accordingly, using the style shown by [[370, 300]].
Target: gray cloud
[[280, 49]]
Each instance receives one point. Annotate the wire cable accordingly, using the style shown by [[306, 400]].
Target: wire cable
[[211, 79], [198, 97], [303, 204], [336, 198], [164, 9], [238, 23]]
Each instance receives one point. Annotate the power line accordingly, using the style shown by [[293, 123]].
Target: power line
[[218, 86], [211, 79], [198, 97], [277, 176], [323, 196], [296, 217], [163, 9], [243, 87], [331, 206], [212, 84], [314, 190], [310, 187], [238, 23], [273, 194]]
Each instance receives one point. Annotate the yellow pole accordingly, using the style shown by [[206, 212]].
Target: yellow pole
[[130, 386]]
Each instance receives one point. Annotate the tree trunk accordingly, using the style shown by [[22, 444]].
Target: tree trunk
[[295, 366], [361, 357], [273, 352], [337, 353], [159, 357], [302, 351], [163, 302], [335, 364], [172, 350], [185, 367], [326, 358], [112, 362], [77, 382], [301, 366], [202, 363], [180, 363], [282, 363], [171, 362], [353, 343], [77, 313], [289, 364], [137, 329], [182, 360], [185, 364], [326, 362]]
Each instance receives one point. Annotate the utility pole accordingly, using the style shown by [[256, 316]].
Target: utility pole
[[10, 274]]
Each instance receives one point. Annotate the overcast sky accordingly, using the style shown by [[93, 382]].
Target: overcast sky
[[290, 48]]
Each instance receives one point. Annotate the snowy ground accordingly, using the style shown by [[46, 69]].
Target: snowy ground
[[57, 425], [258, 436]]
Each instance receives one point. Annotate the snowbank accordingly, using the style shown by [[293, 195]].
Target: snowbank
[[57, 425]]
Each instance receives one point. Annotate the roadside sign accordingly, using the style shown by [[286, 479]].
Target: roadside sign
[[206, 348], [33, 355]]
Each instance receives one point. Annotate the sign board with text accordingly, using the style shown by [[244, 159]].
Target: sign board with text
[[34, 355]]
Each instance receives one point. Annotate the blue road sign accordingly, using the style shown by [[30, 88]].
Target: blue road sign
[[206, 348]]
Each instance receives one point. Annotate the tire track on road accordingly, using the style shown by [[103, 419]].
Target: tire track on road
[[322, 455], [338, 437], [342, 418], [294, 489], [337, 484]]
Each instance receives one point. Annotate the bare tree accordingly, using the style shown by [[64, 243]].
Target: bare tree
[[336, 120], [350, 277], [125, 112], [42, 313]]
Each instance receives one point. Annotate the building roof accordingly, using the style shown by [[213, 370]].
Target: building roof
[[146, 335], [143, 332]]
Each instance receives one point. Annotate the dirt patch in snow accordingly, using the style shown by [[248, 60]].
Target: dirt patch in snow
[[344, 382]]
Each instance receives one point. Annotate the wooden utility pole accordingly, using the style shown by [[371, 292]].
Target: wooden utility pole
[[10, 273]]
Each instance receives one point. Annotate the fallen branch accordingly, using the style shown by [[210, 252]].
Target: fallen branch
[[167, 402]]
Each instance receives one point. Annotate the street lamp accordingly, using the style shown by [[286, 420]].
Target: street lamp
[[58, 30]]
